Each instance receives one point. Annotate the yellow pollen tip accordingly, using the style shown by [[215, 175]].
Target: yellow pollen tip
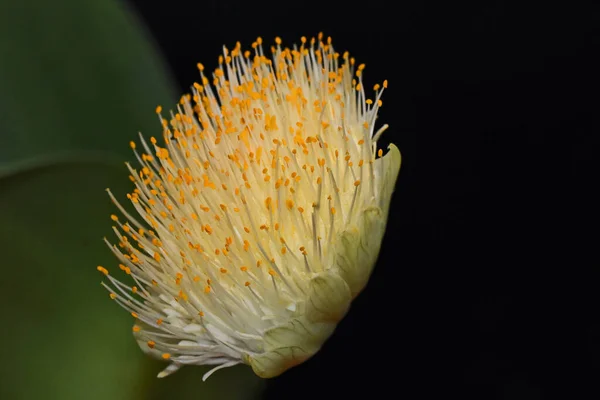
[[102, 269], [166, 356], [136, 328], [151, 344], [135, 315], [158, 109], [113, 296]]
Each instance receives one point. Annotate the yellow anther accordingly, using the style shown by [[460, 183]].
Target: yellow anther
[[289, 204], [102, 269]]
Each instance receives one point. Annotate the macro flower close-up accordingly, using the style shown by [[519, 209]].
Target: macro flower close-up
[[259, 210], [218, 200]]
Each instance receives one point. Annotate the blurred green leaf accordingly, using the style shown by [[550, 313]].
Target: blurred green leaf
[[67, 339], [78, 79]]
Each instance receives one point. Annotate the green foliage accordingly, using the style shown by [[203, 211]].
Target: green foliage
[[78, 80]]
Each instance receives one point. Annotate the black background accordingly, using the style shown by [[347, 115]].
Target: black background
[[485, 285]]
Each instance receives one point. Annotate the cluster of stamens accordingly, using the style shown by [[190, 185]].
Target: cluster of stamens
[[257, 171]]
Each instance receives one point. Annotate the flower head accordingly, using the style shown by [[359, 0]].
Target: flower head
[[261, 212]]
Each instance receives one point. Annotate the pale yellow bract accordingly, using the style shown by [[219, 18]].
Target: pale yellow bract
[[262, 211]]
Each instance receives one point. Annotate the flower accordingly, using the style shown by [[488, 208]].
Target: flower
[[262, 213]]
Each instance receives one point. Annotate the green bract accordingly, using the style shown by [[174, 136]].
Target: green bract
[[331, 291]]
